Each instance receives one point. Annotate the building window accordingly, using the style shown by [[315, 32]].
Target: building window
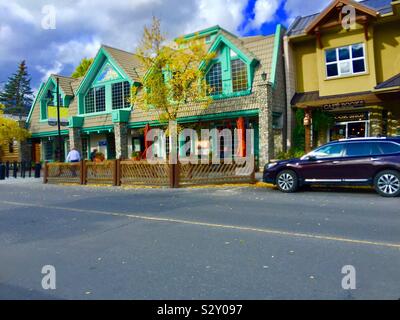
[[239, 75], [121, 93], [345, 61], [100, 98], [11, 147], [214, 79], [95, 100], [89, 101]]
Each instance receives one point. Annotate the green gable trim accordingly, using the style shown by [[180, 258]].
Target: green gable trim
[[208, 117], [98, 129], [232, 95], [49, 134], [102, 58], [121, 116], [222, 39], [202, 33], [107, 69], [34, 103], [76, 122], [276, 56]]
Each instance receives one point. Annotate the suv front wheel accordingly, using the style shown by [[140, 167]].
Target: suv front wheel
[[287, 181], [387, 183]]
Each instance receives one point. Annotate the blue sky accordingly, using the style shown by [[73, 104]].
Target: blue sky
[[81, 26]]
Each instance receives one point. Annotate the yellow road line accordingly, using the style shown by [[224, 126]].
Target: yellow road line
[[214, 225]]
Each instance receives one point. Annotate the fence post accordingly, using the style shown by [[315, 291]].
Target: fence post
[[114, 172], [253, 173], [177, 175], [83, 172], [118, 172], [46, 172], [171, 175]]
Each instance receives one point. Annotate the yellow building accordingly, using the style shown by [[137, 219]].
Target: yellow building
[[343, 71]]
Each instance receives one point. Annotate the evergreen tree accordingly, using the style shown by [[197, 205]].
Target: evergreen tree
[[17, 95]]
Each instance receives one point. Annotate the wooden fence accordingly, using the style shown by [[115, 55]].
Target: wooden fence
[[142, 173]]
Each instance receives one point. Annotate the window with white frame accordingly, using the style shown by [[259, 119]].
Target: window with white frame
[[214, 79], [344, 61], [121, 93], [95, 100]]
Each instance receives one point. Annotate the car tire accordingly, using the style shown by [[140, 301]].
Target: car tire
[[387, 183], [287, 181]]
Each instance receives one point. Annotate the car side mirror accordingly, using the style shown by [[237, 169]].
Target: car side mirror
[[312, 158]]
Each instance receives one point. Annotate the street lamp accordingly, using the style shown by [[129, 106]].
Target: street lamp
[[59, 139]]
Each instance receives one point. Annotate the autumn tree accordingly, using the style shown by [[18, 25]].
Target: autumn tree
[[17, 95], [173, 75], [83, 67], [10, 130]]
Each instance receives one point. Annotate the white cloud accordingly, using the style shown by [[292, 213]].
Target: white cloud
[[18, 11], [56, 68], [72, 51], [264, 12], [228, 14]]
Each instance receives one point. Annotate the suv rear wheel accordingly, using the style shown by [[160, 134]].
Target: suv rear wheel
[[287, 181], [387, 183]]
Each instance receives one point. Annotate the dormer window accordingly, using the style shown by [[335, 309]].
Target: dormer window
[[121, 94], [239, 75], [95, 100], [214, 78]]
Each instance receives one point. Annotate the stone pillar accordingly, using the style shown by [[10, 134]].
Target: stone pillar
[[266, 135], [121, 140], [376, 123], [75, 139]]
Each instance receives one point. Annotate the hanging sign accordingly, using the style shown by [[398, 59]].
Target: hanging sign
[[52, 116]]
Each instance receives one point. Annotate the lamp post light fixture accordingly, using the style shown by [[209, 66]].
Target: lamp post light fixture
[[264, 76], [59, 138]]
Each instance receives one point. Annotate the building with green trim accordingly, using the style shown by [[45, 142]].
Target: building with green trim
[[247, 76]]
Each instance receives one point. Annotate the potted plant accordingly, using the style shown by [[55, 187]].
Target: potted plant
[[135, 156], [99, 157]]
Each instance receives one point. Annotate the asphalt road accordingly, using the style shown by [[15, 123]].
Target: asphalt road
[[221, 243]]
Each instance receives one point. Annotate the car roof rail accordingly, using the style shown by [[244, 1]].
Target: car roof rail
[[365, 138]]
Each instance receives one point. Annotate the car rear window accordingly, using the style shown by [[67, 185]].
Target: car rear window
[[389, 148], [361, 149]]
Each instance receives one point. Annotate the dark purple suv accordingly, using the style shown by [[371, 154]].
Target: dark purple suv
[[369, 161]]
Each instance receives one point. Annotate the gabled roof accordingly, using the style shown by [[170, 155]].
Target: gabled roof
[[65, 84], [301, 24], [126, 60], [390, 83], [333, 8]]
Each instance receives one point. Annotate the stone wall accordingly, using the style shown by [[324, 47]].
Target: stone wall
[[121, 140]]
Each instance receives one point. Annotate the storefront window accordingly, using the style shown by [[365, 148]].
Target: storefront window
[[350, 125], [345, 60]]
